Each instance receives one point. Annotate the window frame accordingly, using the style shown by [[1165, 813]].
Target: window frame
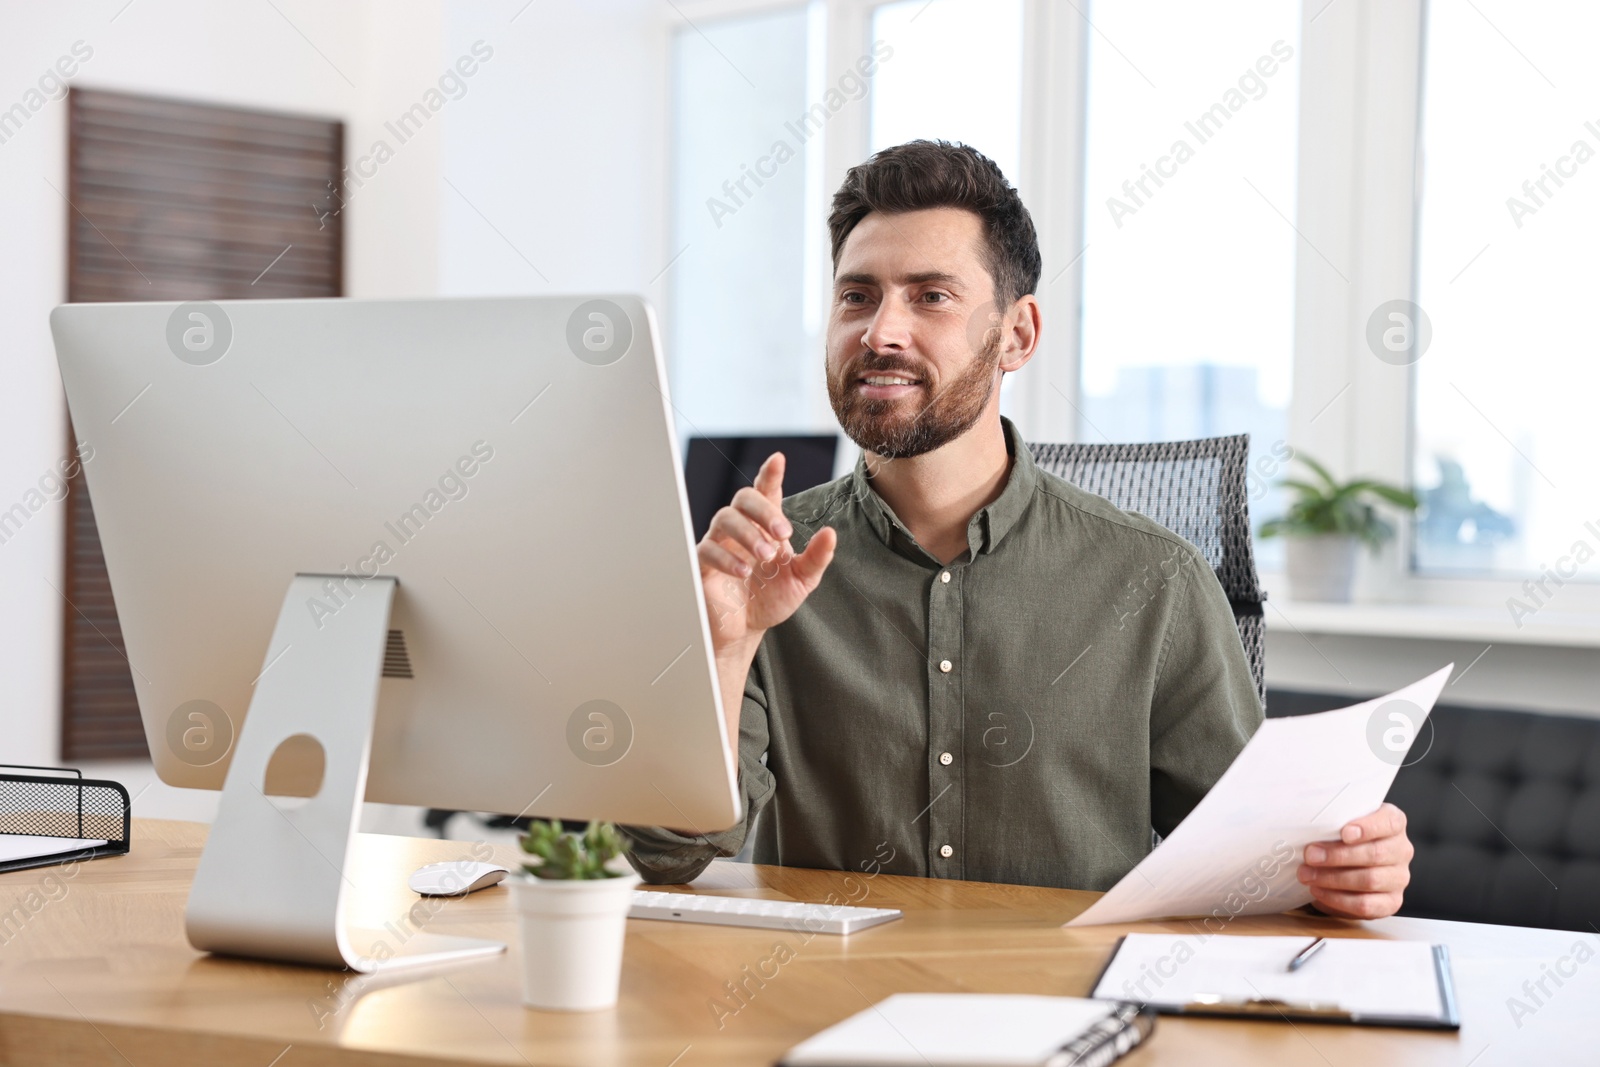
[[1360, 195], [1055, 47]]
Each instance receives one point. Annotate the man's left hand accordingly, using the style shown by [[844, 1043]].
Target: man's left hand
[[1364, 874]]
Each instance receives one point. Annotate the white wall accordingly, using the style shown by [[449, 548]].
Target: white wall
[[555, 163], [558, 139], [375, 60]]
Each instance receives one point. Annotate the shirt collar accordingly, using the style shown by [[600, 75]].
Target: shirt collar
[[987, 528]]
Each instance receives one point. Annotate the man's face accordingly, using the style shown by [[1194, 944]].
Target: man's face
[[912, 356]]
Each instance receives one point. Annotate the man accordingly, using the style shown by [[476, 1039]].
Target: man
[[950, 663]]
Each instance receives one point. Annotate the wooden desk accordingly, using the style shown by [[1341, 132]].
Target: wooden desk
[[97, 971]]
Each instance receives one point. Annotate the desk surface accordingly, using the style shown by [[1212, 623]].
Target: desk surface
[[94, 969]]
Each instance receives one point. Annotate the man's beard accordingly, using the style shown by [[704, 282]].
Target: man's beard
[[880, 427]]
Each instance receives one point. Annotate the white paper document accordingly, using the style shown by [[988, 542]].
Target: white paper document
[[15, 847], [1363, 976], [1299, 780]]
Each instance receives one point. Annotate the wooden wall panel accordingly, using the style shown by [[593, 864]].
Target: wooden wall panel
[[171, 200]]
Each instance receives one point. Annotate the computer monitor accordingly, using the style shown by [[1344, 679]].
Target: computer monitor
[[718, 467], [479, 500]]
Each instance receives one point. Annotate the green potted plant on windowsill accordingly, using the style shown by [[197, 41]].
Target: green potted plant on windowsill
[[572, 901], [1325, 526]]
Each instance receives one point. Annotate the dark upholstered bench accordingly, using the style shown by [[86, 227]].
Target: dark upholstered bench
[[1504, 810]]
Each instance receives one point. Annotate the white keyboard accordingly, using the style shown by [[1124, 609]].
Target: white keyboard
[[747, 911]]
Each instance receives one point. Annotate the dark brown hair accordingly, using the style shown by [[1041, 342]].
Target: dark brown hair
[[927, 174]]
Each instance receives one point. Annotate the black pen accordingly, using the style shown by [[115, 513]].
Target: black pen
[[1305, 954]]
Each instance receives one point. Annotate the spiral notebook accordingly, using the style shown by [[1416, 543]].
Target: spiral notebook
[[978, 1030]]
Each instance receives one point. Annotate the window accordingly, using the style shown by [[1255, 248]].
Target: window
[[753, 105], [1189, 260], [924, 91], [1168, 181], [1506, 277], [746, 162]]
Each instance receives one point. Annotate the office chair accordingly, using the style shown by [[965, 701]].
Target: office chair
[[1196, 489]]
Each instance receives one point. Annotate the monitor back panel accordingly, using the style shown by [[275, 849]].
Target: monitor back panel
[[524, 489]]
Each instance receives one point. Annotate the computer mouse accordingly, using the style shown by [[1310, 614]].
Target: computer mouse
[[455, 878]]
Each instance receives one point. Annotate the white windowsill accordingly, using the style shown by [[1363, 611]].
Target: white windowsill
[[1432, 622]]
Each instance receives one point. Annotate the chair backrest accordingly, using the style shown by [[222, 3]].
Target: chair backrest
[[1196, 489]]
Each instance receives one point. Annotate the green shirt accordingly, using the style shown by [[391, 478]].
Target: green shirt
[[1026, 714]]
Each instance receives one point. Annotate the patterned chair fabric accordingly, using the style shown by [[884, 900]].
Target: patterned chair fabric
[[1196, 489]]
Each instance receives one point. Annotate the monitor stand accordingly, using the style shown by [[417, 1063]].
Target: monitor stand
[[271, 880]]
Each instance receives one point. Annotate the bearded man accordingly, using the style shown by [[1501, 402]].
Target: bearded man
[[929, 667]]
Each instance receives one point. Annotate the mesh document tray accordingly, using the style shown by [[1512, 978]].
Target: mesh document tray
[[73, 809]]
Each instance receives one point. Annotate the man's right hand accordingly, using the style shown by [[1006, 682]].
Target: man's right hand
[[753, 579]]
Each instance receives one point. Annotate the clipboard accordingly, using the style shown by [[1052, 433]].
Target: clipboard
[[1248, 976]]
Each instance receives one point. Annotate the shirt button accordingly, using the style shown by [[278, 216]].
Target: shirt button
[[945, 577], [946, 759], [946, 666], [946, 851]]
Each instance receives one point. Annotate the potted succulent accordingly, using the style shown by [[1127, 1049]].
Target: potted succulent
[[1326, 524], [572, 903]]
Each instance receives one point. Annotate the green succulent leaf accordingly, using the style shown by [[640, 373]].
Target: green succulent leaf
[[567, 856]]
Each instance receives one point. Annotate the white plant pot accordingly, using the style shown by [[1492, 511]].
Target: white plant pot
[[1322, 567], [572, 934]]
